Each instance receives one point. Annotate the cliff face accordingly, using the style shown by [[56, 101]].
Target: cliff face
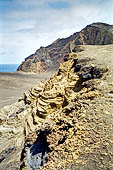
[[49, 57]]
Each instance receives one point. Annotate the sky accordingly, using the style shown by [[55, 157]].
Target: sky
[[25, 25]]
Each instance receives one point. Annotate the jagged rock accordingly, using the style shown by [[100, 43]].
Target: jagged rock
[[41, 101], [58, 124]]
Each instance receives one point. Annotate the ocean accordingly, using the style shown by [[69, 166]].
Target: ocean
[[8, 67]]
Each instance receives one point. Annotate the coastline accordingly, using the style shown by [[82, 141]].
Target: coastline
[[14, 84]]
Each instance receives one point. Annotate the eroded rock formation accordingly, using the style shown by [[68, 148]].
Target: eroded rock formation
[[42, 130]]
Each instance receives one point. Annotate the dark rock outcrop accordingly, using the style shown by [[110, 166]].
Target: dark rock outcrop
[[47, 58]]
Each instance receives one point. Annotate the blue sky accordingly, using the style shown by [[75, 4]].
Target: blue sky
[[25, 25]]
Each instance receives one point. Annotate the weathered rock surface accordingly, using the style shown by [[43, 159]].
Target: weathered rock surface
[[47, 58], [66, 122]]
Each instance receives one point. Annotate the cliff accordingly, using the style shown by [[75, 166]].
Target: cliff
[[47, 58]]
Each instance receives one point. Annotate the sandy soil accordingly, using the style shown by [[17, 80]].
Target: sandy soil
[[101, 55], [12, 85]]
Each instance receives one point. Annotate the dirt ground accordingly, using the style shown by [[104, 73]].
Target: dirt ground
[[13, 85], [97, 152]]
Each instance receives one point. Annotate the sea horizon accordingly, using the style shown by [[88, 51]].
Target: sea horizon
[[8, 67]]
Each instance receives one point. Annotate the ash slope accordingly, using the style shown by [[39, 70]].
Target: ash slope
[[66, 122], [47, 58]]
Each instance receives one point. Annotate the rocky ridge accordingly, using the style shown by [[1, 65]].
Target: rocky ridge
[[64, 123], [48, 58]]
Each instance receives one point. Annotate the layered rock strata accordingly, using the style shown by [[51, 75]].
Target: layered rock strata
[[56, 125], [48, 58]]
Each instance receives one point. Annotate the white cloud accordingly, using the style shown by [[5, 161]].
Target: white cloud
[[33, 24]]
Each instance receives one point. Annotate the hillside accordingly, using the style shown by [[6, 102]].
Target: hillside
[[65, 122], [48, 58]]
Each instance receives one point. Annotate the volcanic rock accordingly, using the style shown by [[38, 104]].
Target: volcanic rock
[[48, 58], [62, 123]]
